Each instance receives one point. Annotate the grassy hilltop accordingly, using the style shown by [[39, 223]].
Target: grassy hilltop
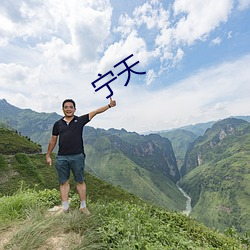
[[119, 220]]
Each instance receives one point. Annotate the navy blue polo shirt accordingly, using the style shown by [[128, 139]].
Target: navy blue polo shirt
[[70, 135]]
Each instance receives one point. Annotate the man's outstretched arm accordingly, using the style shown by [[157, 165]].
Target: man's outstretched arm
[[112, 103]]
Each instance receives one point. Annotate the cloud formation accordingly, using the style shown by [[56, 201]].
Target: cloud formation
[[54, 49]]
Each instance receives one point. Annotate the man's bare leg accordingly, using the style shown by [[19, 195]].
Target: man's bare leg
[[81, 189], [64, 192]]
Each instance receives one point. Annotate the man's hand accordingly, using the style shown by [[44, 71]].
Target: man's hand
[[48, 160], [112, 103]]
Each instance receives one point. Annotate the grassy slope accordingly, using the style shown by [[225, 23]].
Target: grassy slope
[[220, 189], [117, 169], [33, 169], [119, 221], [220, 186], [11, 143], [113, 167]]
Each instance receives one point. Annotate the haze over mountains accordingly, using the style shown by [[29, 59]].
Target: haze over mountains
[[213, 160]]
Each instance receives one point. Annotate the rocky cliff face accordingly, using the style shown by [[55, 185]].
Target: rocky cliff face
[[219, 187], [206, 146], [151, 152]]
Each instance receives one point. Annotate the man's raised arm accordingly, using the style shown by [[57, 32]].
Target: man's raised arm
[[111, 104]]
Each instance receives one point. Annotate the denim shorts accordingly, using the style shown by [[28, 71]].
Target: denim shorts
[[66, 163]]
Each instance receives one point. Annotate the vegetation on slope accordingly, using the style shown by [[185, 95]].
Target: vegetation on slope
[[12, 143], [123, 223], [136, 163], [220, 186], [181, 140], [34, 125], [117, 169], [119, 220]]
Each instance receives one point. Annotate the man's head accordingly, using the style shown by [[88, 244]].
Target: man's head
[[69, 107], [69, 100]]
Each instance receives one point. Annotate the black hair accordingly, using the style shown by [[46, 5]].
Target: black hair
[[69, 100]]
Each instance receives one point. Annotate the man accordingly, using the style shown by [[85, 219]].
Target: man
[[71, 155]]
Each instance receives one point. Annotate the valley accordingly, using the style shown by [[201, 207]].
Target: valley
[[188, 208], [200, 169]]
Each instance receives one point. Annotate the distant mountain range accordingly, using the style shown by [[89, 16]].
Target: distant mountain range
[[211, 160], [216, 174], [36, 126], [26, 179], [143, 165]]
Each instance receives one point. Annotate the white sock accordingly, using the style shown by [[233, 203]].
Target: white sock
[[65, 205], [83, 204]]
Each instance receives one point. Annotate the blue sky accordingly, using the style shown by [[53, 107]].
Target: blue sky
[[196, 54]]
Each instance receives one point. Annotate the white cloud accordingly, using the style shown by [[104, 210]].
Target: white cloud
[[83, 24], [150, 76], [244, 4], [120, 50], [53, 49], [229, 35], [199, 18], [211, 94], [152, 14], [89, 23], [126, 25], [216, 41], [192, 20]]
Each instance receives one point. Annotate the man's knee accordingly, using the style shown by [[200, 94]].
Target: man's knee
[[65, 183], [80, 183]]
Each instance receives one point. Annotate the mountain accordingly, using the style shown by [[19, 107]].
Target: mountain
[[119, 220], [181, 140], [143, 165], [11, 142], [37, 126], [204, 148], [215, 170], [152, 151], [199, 128], [217, 175]]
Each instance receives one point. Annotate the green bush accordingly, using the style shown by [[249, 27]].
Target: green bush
[[129, 226], [16, 207], [25, 166], [3, 164], [114, 225]]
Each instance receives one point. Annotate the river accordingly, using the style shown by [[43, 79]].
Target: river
[[188, 209]]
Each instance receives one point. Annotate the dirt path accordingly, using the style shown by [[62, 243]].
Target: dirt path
[[5, 236]]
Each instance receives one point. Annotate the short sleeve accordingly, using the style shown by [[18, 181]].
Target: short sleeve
[[55, 129], [85, 119]]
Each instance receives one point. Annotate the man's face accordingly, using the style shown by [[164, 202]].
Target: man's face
[[68, 109]]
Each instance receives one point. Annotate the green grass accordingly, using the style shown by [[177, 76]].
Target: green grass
[[12, 142], [220, 194], [220, 186], [113, 225], [117, 169]]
